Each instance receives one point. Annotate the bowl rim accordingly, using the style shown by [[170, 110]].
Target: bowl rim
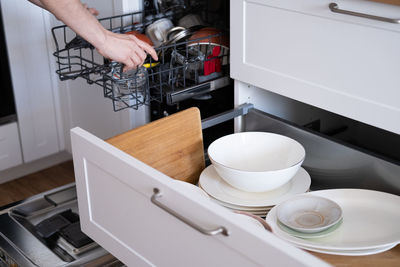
[[258, 132]]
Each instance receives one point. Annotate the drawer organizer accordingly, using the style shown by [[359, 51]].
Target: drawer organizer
[[186, 68]]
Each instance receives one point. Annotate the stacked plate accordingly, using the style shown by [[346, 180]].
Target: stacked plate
[[369, 224], [257, 203]]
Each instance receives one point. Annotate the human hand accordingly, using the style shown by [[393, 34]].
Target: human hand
[[126, 49]]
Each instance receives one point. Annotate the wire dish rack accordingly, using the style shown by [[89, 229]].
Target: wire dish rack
[[189, 67]]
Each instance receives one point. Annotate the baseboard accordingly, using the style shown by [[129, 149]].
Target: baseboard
[[34, 166]]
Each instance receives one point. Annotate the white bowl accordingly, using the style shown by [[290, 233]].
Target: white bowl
[[309, 214], [256, 161]]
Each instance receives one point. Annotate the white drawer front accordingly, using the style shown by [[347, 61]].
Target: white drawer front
[[341, 63], [114, 192], [10, 148]]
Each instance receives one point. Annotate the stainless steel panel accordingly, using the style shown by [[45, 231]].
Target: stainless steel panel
[[17, 238], [331, 163]]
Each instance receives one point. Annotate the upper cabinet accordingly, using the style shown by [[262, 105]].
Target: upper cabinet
[[342, 57]]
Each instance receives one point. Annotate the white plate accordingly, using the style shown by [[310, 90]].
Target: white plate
[[193, 188], [309, 214], [370, 221], [248, 220], [215, 186], [236, 207], [310, 235], [362, 252]]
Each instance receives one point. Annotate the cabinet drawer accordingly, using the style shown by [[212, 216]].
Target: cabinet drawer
[[114, 196], [342, 63], [10, 148]]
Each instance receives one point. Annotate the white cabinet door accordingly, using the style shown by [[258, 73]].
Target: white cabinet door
[[31, 78], [342, 63], [10, 148], [115, 207]]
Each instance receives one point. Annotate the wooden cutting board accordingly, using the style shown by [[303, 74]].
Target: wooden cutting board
[[172, 145]]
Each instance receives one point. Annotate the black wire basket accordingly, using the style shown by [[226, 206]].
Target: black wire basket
[[188, 62]]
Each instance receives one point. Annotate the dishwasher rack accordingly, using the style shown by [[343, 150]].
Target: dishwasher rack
[[177, 75]]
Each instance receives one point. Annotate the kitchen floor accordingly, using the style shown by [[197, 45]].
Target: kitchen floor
[[36, 183]]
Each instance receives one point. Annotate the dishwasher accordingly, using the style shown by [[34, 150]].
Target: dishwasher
[[108, 179], [191, 38]]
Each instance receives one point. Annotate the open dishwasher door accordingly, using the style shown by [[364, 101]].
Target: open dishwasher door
[[144, 218]]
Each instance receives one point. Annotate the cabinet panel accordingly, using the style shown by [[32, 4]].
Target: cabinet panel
[[341, 63], [10, 148], [114, 197], [31, 78]]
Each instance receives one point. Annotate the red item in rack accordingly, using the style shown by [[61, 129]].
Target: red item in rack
[[213, 64]]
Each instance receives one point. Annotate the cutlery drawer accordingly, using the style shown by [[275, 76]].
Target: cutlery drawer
[[346, 64]]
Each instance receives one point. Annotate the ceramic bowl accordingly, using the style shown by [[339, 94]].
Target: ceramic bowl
[[140, 36], [209, 35], [256, 161], [309, 214]]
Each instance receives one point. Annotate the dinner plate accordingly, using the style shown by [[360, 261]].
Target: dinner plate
[[370, 221], [215, 186], [237, 207], [362, 252], [191, 187], [249, 220]]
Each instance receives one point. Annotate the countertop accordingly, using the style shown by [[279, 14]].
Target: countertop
[[390, 258], [392, 2]]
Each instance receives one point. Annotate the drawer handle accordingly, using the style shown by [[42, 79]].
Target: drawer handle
[[335, 8], [154, 199]]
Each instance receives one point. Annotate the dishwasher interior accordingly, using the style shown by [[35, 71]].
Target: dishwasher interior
[[191, 39]]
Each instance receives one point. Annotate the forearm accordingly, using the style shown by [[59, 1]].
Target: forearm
[[37, 2], [78, 18]]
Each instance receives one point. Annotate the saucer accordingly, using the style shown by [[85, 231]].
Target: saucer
[[309, 214], [309, 235], [216, 187]]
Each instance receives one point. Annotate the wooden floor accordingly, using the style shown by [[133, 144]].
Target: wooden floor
[[36, 183]]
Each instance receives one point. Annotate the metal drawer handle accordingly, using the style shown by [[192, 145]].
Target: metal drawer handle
[[335, 8], [154, 199]]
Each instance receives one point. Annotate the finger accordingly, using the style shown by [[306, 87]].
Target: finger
[[141, 55], [137, 49], [129, 65], [136, 60], [149, 49]]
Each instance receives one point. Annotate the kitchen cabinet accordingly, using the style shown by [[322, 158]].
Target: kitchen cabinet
[[10, 146], [302, 50], [31, 79]]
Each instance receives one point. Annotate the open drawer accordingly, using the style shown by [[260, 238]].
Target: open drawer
[[144, 218], [341, 56]]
